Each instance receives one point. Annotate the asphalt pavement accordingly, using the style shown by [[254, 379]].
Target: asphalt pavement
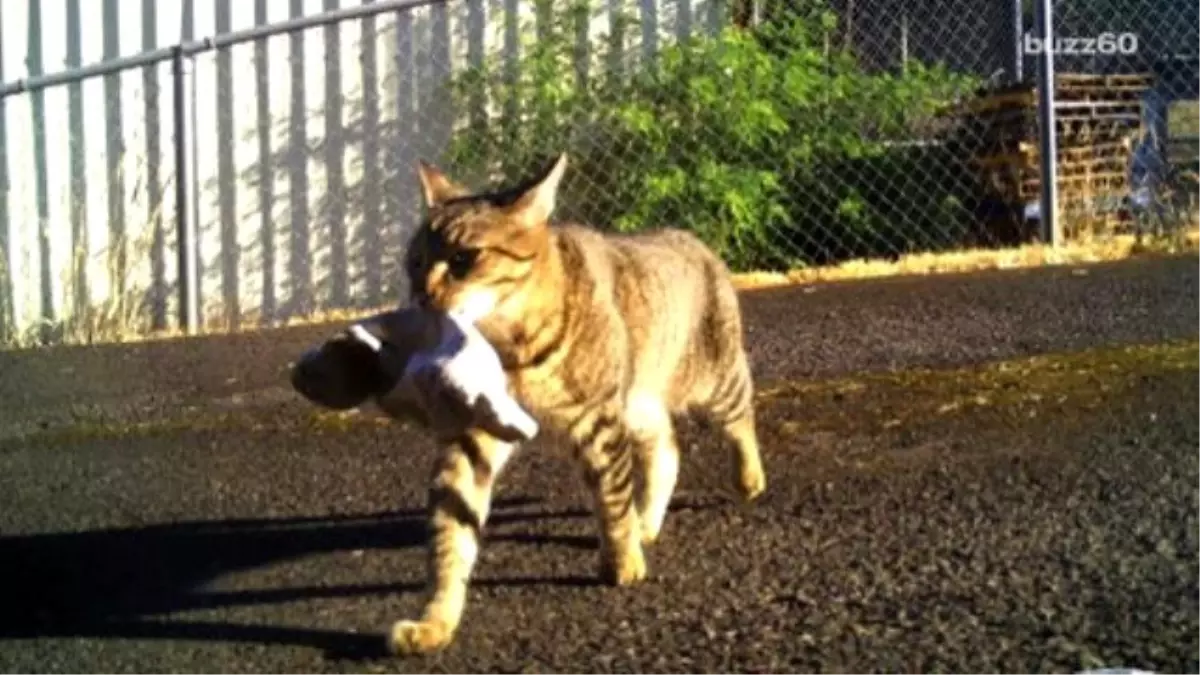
[[990, 472]]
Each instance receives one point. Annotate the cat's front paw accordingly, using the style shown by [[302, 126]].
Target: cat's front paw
[[418, 637], [752, 483], [623, 569]]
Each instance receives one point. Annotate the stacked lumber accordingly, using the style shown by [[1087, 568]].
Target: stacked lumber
[[1098, 120]]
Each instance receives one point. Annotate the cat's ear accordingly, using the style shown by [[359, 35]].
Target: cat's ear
[[533, 207], [436, 187]]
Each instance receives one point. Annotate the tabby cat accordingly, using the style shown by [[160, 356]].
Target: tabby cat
[[604, 338]]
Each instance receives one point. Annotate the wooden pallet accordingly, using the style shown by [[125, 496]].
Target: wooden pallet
[[1097, 119], [1007, 139], [1068, 87]]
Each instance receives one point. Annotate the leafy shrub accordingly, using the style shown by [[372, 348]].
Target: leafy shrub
[[765, 143]]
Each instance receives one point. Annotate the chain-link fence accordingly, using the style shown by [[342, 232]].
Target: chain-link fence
[[786, 133], [810, 134], [1144, 56]]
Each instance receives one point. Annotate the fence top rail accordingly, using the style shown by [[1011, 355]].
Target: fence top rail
[[220, 41]]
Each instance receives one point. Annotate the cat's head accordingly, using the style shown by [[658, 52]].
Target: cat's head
[[484, 255]]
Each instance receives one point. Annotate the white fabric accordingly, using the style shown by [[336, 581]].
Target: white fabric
[[461, 375]]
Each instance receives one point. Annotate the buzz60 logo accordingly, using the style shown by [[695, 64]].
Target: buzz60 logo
[[1104, 44]]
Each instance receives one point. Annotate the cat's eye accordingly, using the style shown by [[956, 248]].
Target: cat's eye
[[461, 262]]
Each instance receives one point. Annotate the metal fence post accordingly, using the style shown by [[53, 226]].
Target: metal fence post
[[1017, 57], [183, 91], [1048, 138]]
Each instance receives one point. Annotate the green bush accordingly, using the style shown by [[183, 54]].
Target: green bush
[[765, 143]]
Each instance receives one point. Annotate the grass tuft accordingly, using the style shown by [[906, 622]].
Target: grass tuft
[[1109, 249]]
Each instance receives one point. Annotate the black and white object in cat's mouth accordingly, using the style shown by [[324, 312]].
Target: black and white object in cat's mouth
[[461, 376]]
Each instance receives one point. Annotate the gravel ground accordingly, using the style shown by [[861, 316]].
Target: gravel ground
[[974, 473]]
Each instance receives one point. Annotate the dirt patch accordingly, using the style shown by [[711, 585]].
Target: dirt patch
[[886, 421], [1028, 390]]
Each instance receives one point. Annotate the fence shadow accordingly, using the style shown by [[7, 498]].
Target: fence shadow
[[336, 241], [342, 239]]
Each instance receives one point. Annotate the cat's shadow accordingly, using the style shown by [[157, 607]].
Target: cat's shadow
[[114, 583]]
